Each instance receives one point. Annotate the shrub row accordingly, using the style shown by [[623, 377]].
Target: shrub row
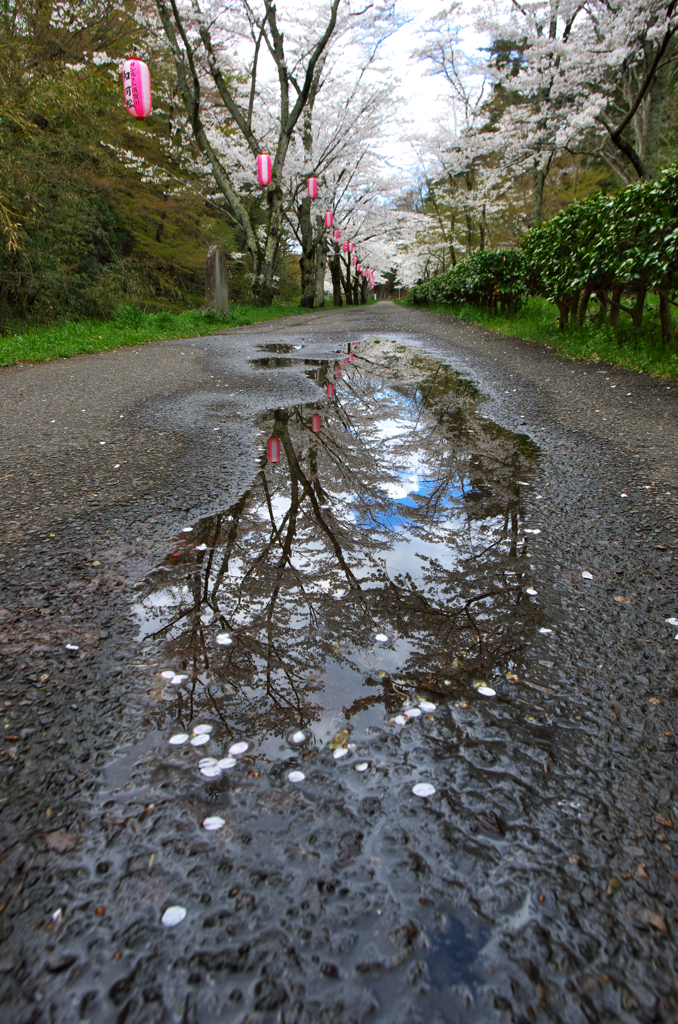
[[616, 249]]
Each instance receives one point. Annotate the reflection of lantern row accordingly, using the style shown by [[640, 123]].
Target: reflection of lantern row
[[316, 423], [329, 390], [264, 169], [313, 188], [136, 85], [273, 448]]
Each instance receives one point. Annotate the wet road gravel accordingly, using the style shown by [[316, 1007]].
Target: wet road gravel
[[538, 883]]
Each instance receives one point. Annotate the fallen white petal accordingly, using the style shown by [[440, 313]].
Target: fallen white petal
[[187, 529], [673, 621], [58, 914], [211, 772], [226, 762], [587, 575], [213, 823], [296, 776], [423, 789], [362, 767], [298, 737], [72, 647], [224, 639], [339, 753], [381, 637], [178, 738], [207, 762], [200, 730], [200, 739], [532, 531], [399, 719], [623, 495], [427, 705], [543, 630], [178, 680], [487, 691], [167, 675], [413, 713], [238, 748], [531, 590], [173, 916], [201, 547]]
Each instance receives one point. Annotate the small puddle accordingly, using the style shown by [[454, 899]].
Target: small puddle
[[379, 562]]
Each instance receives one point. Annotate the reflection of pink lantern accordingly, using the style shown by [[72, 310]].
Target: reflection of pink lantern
[[345, 360], [316, 423], [329, 219], [337, 370], [355, 261], [264, 169], [136, 87], [337, 234], [329, 390], [345, 246], [313, 188], [350, 357], [273, 449], [350, 246]]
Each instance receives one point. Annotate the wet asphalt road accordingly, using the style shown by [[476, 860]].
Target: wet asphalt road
[[327, 904]]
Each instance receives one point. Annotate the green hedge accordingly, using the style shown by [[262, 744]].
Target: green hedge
[[616, 249]]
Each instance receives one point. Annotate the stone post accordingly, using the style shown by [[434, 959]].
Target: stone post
[[216, 281]]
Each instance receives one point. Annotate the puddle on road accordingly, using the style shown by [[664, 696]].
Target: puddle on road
[[378, 562]]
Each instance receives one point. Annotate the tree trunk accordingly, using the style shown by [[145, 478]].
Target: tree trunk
[[469, 233], [583, 304], [364, 284], [665, 316], [538, 182], [356, 291], [307, 259], [615, 308], [320, 264], [346, 281], [335, 271], [637, 315], [563, 311], [483, 228]]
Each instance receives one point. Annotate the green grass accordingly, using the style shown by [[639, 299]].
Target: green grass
[[537, 320], [131, 326]]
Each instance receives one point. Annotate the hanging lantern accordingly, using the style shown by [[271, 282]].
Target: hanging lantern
[[345, 245], [350, 246], [329, 219], [273, 448], [136, 87], [264, 169], [355, 261], [337, 234], [329, 390], [316, 423], [357, 267], [313, 188]]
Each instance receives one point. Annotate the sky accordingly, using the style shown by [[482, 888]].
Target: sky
[[423, 96]]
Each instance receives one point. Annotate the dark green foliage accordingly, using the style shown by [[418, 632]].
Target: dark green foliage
[[617, 250]]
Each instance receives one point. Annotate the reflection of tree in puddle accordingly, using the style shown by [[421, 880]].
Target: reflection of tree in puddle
[[399, 519]]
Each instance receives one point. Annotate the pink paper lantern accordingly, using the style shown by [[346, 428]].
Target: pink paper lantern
[[329, 219], [355, 261], [273, 448], [313, 188], [264, 169], [357, 267], [337, 370], [136, 87], [329, 390], [350, 246], [337, 234], [345, 245], [316, 423]]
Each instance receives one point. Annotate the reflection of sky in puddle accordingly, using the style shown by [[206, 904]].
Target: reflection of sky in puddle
[[339, 542]]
